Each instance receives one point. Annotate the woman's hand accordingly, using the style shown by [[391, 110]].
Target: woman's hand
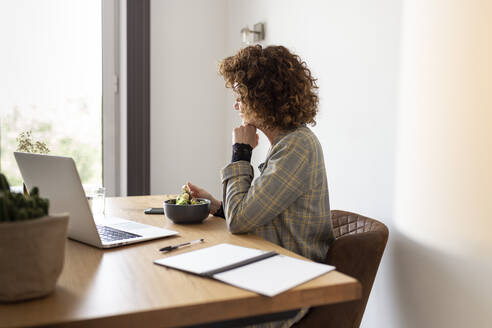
[[197, 192], [245, 134]]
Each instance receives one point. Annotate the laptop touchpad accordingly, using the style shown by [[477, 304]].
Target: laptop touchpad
[[128, 225]]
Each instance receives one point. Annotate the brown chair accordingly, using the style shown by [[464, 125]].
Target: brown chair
[[357, 250]]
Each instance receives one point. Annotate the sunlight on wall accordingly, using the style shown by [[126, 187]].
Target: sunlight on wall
[[443, 239], [444, 158]]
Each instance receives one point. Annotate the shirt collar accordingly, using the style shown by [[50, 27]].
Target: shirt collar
[[282, 134]]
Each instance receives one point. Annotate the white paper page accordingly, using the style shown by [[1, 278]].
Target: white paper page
[[273, 275], [210, 258]]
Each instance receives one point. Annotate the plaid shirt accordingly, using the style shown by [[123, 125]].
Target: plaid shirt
[[287, 204]]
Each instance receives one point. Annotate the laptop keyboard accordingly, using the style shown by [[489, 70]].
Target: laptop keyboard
[[112, 234]]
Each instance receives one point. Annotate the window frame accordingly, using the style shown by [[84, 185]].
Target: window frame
[[110, 99], [126, 97], [138, 96]]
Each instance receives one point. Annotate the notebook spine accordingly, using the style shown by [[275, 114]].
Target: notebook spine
[[263, 256]]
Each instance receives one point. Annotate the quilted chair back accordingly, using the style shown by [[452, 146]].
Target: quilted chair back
[[357, 251]]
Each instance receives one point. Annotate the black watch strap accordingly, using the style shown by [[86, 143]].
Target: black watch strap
[[241, 152]]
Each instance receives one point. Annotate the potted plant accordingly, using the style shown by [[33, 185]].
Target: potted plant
[[32, 245], [26, 144]]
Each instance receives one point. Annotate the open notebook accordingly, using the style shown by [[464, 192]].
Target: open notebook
[[262, 272]]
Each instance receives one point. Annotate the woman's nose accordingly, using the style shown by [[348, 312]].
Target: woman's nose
[[236, 105]]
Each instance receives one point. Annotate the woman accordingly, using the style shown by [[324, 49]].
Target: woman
[[288, 203]]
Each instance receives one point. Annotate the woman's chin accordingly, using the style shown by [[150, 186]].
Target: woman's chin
[[247, 121]]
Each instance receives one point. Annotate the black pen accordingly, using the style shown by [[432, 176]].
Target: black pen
[[170, 248]]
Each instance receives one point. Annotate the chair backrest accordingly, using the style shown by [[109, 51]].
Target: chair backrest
[[357, 251]]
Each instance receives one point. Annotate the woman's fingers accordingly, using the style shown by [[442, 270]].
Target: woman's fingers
[[245, 134], [195, 192], [198, 192]]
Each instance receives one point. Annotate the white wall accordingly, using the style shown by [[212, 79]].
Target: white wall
[[352, 47], [187, 95]]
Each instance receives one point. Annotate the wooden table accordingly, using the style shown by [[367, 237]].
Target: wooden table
[[121, 287]]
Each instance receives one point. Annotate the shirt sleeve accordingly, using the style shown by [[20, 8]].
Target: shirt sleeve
[[249, 204]]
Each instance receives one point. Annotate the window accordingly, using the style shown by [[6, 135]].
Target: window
[[51, 81]]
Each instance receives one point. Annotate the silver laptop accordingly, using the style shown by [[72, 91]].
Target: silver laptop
[[58, 180]]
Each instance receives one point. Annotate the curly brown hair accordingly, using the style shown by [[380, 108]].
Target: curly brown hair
[[274, 85]]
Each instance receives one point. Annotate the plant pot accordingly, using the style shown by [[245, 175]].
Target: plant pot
[[32, 253]]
